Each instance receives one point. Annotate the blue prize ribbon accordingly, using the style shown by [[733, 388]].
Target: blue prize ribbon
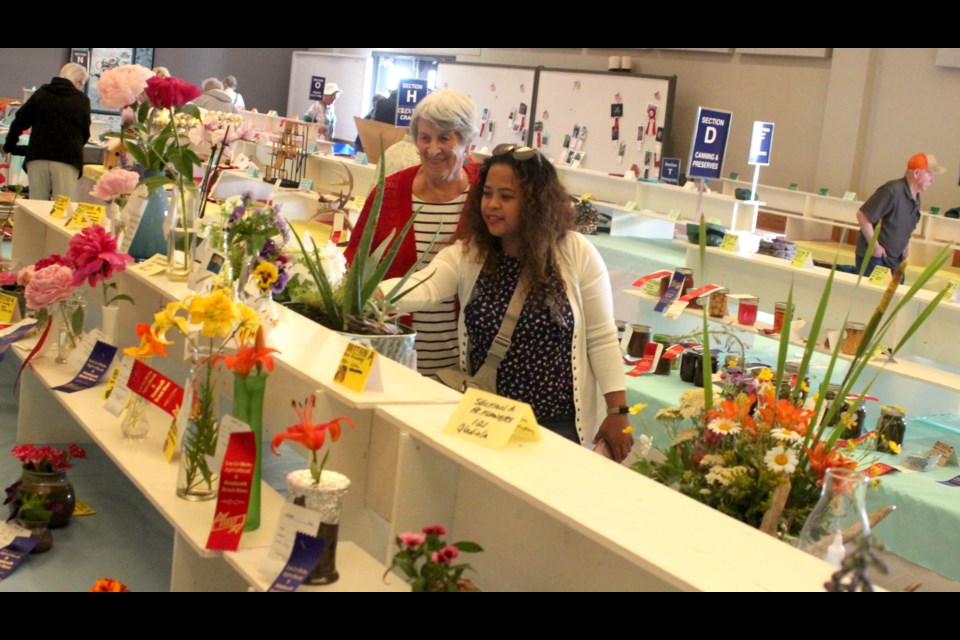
[[303, 558]]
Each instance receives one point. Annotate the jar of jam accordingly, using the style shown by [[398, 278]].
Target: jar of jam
[[639, 339], [747, 312], [891, 427], [852, 416], [663, 365], [718, 304], [790, 370], [828, 399], [779, 313], [621, 329], [688, 363], [698, 369], [851, 341], [688, 286]]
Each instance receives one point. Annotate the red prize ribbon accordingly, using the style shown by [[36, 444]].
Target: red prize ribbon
[[646, 363], [673, 351], [233, 497], [877, 469], [155, 387], [650, 276], [699, 293]]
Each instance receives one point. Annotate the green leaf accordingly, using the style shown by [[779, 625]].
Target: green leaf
[[143, 111], [191, 110], [468, 547], [121, 297], [784, 339], [706, 357]]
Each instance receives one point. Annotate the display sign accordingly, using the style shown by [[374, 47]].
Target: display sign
[[60, 206], [8, 304], [802, 259], [317, 85], [729, 242], [409, 93], [490, 420], [760, 144], [879, 276], [359, 368], [709, 143], [675, 214], [670, 170]]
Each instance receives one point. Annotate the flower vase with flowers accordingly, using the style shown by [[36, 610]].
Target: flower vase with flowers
[[436, 571], [314, 489], [115, 187], [44, 473], [48, 283], [94, 256]]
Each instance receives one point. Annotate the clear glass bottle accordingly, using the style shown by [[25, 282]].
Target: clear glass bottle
[[839, 517]]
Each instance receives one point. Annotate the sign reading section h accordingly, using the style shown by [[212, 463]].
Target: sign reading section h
[[709, 143], [409, 93], [760, 144], [317, 84]]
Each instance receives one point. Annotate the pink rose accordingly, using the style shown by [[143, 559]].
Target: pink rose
[[25, 275], [116, 182], [49, 285], [412, 540], [446, 555], [93, 252], [120, 86], [436, 530]]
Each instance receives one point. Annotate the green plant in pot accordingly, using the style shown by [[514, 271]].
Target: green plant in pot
[[33, 514]]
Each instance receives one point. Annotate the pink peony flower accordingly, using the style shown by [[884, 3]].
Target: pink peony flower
[[54, 258], [8, 278], [128, 116], [48, 286], [436, 529], [116, 182], [94, 254], [412, 540], [446, 555], [25, 275], [165, 93], [120, 86]]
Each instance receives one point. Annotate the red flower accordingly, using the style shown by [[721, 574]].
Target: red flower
[[165, 93], [310, 435], [93, 253], [446, 555], [412, 540], [56, 259], [436, 530]]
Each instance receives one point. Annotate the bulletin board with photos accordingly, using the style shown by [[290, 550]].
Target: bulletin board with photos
[[609, 122]]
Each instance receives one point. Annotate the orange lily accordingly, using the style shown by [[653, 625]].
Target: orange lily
[[737, 410], [822, 459], [150, 343], [310, 435], [246, 358], [783, 413]]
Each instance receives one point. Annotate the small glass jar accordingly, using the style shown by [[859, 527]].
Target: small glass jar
[[698, 369], [790, 370], [891, 427], [779, 313], [718, 304], [747, 311], [639, 339], [688, 363], [828, 399], [663, 365], [851, 341], [852, 416], [621, 329], [688, 286]]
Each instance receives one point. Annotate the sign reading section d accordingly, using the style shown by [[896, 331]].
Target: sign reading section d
[[709, 143]]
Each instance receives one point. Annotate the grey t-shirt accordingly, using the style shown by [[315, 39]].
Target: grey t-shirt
[[893, 204]]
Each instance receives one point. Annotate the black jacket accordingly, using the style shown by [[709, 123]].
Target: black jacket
[[58, 116]]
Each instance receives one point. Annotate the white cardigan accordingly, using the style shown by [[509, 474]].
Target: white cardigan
[[597, 363]]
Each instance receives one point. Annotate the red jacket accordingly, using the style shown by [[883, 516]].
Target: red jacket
[[397, 209]]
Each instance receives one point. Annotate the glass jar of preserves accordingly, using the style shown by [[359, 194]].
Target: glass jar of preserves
[[851, 341], [747, 311], [688, 286], [663, 365], [688, 362], [779, 313], [718, 304], [891, 427], [639, 339], [698, 369]]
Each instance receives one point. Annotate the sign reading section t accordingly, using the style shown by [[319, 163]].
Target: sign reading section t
[[317, 84], [709, 143], [670, 170], [409, 93], [760, 144]]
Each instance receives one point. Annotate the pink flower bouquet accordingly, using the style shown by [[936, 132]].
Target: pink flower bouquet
[[121, 86], [114, 183], [93, 253], [48, 286]]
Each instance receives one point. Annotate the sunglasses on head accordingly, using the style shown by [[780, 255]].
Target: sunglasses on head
[[521, 154]]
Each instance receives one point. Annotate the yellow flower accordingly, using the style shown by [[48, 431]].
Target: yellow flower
[[248, 324], [875, 483], [637, 408], [893, 446], [765, 375], [628, 430], [165, 320], [265, 275], [215, 313]]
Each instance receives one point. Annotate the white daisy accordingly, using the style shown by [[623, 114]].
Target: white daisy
[[724, 426], [781, 459], [785, 435]]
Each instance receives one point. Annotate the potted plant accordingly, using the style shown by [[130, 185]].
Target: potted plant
[[427, 561], [45, 474], [34, 516]]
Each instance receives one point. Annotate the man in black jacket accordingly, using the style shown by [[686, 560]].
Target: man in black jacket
[[58, 116]]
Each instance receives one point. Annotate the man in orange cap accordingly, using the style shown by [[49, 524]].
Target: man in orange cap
[[897, 205]]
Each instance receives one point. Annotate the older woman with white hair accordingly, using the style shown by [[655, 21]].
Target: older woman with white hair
[[444, 125]]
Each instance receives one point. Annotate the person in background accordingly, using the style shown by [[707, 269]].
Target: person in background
[[443, 126], [377, 97], [214, 98], [563, 358], [897, 205], [58, 116], [322, 112], [230, 88], [161, 72]]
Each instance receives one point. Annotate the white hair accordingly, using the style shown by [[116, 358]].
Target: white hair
[[448, 110], [74, 72]]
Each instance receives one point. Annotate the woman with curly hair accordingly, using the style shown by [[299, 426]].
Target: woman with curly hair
[[563, 358]]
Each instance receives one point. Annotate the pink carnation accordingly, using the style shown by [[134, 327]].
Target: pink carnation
[[120, 86], [165, 93], [412, 540], [435, 529], [116, 182], [54, 258], [49, 285], [93, 251], [446, 555], [8, 278], [25, 275]]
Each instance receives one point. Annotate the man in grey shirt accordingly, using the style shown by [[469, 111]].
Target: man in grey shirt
[[897, 205]]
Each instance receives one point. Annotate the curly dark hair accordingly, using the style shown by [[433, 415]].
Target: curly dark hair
[[546, 215]]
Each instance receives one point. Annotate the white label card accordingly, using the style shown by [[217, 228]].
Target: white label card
[[293, 518]]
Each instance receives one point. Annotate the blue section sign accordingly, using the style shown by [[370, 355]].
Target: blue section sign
[[317, 83], [670, 170], [760, 144], [409, 93], [709, 143]]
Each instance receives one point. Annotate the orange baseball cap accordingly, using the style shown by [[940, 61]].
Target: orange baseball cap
[[925, 161]]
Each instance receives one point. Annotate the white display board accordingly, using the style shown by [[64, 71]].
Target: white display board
[[351, 73], [568, 100], [501, 93]]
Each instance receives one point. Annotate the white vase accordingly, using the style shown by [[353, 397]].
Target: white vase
[[327, 499], [109, 325]]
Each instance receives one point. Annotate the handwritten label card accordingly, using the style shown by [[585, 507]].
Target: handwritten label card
[[155, 265], [228, 425], [117, 399], [951, 295], [359, 369], [293, 519], [306, 184], [946, 453], [802, 260], [850, 195], [675, 214], [60, 205], [879, 276], [240, 161], [729, 243], [8, 304], [489, 420]]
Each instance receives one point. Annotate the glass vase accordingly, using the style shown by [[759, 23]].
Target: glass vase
[[135, 425], [839, 518], [181, 235], [55, 488], [196, 480], [71, 314], [248, 394], [325, 497]]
